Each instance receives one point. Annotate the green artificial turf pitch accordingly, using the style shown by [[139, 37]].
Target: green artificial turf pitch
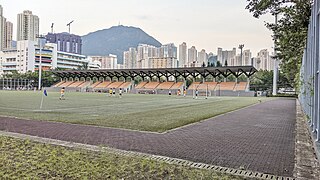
[[156, 113]]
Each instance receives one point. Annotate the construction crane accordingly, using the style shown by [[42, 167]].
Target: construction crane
[[52, 27], [69, 24]]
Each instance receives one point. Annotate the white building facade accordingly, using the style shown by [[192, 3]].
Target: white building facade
[[26, 57]]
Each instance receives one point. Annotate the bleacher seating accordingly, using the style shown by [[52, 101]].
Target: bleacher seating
[[125, 85], [227, 86], [211, 85], [202, 86], [103, 85], [241, 86], [115, 84], [141, 85], [76, 84], [177, 85], [151, 85], [58, 84], [85, 84], [95, 84], [165, 85], [194, 85], [65, 84]]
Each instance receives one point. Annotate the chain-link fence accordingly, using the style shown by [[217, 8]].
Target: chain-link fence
[[15, 84], [309, 93]]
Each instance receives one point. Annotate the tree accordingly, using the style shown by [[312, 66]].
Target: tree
[[219, 64], [263, 80], [290, 33]]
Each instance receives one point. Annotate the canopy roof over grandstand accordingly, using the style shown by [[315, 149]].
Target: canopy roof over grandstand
[[166, 72]]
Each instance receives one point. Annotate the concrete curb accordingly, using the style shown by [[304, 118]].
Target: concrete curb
[[306, 162], [176, 161]]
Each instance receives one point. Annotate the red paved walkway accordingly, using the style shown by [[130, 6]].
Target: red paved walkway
[[258, 138]]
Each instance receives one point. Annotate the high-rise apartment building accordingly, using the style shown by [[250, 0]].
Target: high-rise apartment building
[[192, 56], [66, 42], [229, 56], [168, 50], [263, 61], [130, 58], [107, 62], [246, 58], [28, 26], [8, 35], [166, 62], [202, 58], [2, 28], [6, 31], [183, 61], [144, 53]]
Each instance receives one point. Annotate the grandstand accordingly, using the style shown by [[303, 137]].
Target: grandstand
[[178, 85], [76, 84], [58, 84], [94, 84], [211, 85], [204, 87], [115, 85], [241, 86], [151, 85], [194, 85], [103, 85], [141, 85], [165, 85], [65, 84], [125, 85], [229, 86]]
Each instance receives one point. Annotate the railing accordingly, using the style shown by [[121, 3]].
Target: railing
[[310, 85]]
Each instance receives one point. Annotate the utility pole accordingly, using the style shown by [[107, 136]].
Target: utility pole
[[40, 37], [69, 24], [241, 46]]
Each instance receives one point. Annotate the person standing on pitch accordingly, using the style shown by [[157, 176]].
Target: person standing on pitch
[[120, 92], [110, 92], [197, 92], [62, 94], [114, 91]]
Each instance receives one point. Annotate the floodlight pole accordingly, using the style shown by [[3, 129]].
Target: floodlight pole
[[276, 62], [241, 46], [40, 60]]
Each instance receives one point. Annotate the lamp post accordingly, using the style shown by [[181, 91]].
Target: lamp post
[[40, 37]]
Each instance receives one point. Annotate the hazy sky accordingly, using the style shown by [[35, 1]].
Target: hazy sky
[[206, 24]]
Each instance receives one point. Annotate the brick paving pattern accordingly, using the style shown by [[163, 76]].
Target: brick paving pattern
[[258, 138]]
